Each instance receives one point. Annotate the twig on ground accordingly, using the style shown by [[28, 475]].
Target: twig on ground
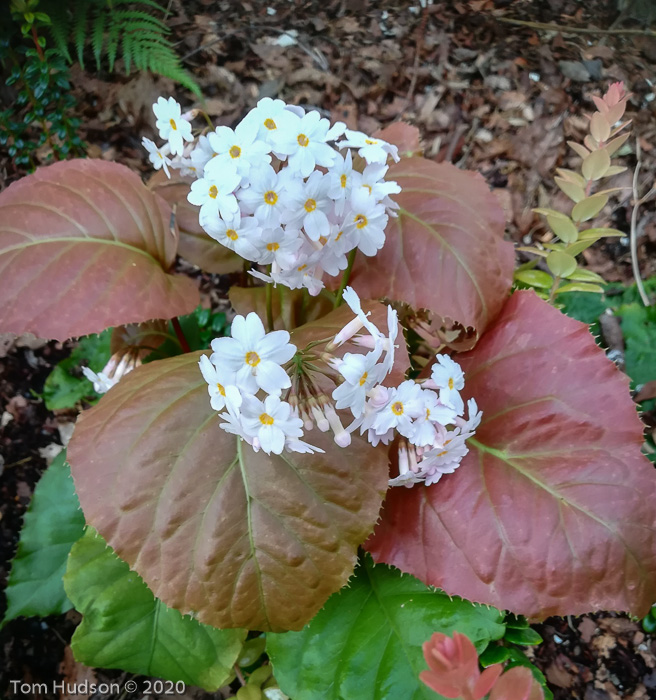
[[634, 230], [574, 30]]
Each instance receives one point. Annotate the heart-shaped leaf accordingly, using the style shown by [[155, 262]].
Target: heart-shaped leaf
[[84, 245], [366, 643], [52, 524], [238, 538], [552, 510], [195, 244], [445, 252], [125, 626]]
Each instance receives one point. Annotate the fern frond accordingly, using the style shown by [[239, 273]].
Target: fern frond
[[79, 29]]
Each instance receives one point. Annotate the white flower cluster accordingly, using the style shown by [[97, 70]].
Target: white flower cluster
[[420, 412], [277, 193], [427, 416]]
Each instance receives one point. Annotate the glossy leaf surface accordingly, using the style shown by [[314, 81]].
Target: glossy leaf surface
[[125, 626], [366, 643], [52, 524], [238, 538], [84, 245], [551, 512], [445, 252]]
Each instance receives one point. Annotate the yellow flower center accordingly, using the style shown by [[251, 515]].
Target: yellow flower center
[[232, 234], [301, 268], [220, 388], [310, 205], [323, 240], [174, 126], [270, 197], [360, 221], [252, 359], [371, 142], [160, 155], [270, 124], [427, 413], [342, 180], [367, 187], [213, 192], [273, 246], [235, 152], [266, 419], [339, 235], [397, 408], [303, 140], [363, 378], [450, 382]]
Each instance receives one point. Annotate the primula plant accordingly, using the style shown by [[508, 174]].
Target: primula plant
[[382, 404]]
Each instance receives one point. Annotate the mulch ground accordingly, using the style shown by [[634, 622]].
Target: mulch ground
[[487, 94]]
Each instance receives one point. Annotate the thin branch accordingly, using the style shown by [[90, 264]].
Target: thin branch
[[634, 229], [574, 30]]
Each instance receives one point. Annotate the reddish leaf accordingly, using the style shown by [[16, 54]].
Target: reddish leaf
[[552, 511], [445, 252], [237, 538], [405, 136], [83, 246], [195, 245]]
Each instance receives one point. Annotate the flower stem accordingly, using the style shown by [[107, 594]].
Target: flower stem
[[345, 278], [269, 306], [554, 289], [180, 334]]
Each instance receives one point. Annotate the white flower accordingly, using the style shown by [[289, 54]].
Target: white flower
[[468, 427], [372, 150], [215, 196], [240, 235], [350, 329], [443, 459], [270, 421], [449, 378], [217, 381], [234, 423], [304, 142], [101, 382], [340, 176], [202, 154], [367, 220], [405, 403], [434, 412], [371, 180], [254, 356], [278, 246], [310, 207], [294, 445], [269, 195], [361, 373], [301, 275], [269, 115], [240, 148], [172, 127], [157, 157]]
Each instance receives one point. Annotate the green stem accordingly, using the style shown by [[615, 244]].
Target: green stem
[[554, 289], [269, 306], [180, 334], [345, 278]]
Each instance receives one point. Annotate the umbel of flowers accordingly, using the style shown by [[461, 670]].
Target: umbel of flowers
[[282, 190]]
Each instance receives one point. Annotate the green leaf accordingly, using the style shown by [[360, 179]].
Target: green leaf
[[589, 207], [52, 524], [527, 636], [535, 278], [366, 642], [580, 287], [126, 627], [563, 227], [639, 329], [494, 654], [66, 385], [583, 306], [561, 264]]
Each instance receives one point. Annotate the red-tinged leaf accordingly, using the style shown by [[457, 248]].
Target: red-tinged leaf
[[551, 512], [445, 252], [404, 136], [195, 245], [238, 538], [83, 246]]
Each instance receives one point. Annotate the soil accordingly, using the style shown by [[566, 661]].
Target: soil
[[487, 94]]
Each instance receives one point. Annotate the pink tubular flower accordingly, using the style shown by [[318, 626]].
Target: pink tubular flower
[[453, 668]]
